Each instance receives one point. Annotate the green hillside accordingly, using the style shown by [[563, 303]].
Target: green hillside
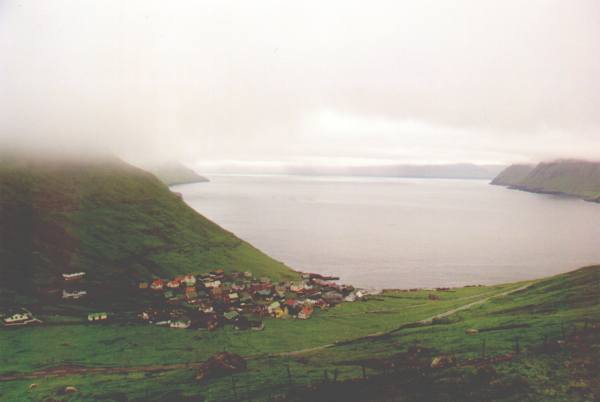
[[536, 340], [570, 177], [175, 173], [116, 222], [541, 342]]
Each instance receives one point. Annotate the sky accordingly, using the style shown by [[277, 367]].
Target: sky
[[346, 82]]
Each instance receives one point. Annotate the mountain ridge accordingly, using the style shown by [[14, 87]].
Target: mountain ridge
[[116, 222], [572, 177]]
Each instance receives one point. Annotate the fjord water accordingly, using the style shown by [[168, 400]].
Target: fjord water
[[403, 233]]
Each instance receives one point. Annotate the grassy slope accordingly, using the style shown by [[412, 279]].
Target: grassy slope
[[176, 173], [118, 223], [571, 177], [578, 178], [549, 306]]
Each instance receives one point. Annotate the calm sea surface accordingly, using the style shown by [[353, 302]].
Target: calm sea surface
[[399, 233]]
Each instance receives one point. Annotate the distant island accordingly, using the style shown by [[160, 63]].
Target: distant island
[[576, 178], [174, 173], [441, 171]]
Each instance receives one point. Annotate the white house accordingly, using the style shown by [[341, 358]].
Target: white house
[[17, 318], [212, 284], [180, 324], [75, 294], [73, 276]]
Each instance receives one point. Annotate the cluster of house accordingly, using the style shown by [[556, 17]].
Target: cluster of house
[[18, 318], [214, 299]]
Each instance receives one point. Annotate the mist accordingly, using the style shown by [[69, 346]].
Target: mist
[[342, 83]]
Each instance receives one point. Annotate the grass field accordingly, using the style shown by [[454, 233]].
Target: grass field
[[550, 307]]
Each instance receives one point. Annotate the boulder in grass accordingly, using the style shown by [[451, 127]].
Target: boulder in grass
[[220, 364], [69, 389], [440, 362]]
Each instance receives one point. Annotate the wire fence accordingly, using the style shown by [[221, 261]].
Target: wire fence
[[283, 378]]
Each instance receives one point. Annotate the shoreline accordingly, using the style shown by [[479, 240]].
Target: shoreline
[[546, 192], [558, 193]]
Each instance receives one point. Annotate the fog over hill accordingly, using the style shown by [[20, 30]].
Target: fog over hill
[[423, 82], [116, 222]]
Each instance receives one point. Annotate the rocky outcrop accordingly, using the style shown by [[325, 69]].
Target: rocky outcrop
[[220, 364]]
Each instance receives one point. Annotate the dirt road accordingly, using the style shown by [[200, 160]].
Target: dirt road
[[423, 322]]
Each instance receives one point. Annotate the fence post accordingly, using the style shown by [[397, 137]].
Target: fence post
[[235, 394], [289, 375], [517, 345], [562, 330], [364, 371], [335, 375], [483, 349], [325, 376]]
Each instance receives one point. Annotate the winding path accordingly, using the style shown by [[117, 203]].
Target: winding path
[[423, 322]]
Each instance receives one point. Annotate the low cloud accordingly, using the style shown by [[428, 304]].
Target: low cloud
[[303, 82]]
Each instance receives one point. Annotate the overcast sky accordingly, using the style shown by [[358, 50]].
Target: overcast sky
[[325, 82]]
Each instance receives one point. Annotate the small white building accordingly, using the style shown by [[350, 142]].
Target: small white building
[[212, 284], [360, 294], [22, 317], [180, 324], [73, 276], [97, 316], [75, 294], [17, 318]]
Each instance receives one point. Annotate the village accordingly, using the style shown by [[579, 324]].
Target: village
[[213, 300]]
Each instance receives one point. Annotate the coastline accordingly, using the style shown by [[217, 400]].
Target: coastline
[[548, 192]]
